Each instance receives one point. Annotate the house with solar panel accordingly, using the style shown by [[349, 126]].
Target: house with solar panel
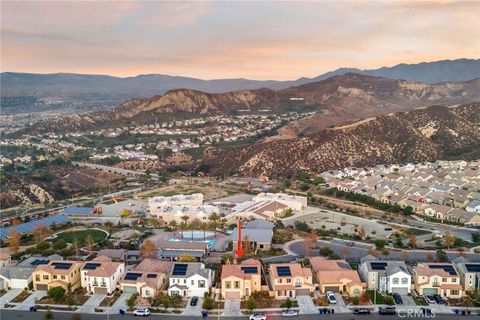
[[146, 279], [336, 276], [386, 276], [241, 280], [438, 278], [190, 279], [289, 280], [101, 275], [64, 273], [469, 274]]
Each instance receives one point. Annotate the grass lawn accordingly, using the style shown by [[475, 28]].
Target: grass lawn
[[81, 235], [371, 294]]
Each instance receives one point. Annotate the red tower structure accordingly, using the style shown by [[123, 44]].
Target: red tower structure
[[239, 240]]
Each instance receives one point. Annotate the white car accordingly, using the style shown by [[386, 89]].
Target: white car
[[141, 312], [258, 316], [331, 297], [289, 313]]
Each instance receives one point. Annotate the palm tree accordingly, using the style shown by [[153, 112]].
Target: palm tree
[[184, 222], [214, 217], [204, 228]]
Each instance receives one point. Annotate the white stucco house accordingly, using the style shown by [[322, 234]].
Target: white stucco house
[[15, 277], [101, 275], [386, 276], [190, 279]]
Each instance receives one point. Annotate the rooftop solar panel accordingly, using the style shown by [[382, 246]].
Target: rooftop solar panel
[[79, 211], [284, 271], [179, 269], [249, 270], [445, 267], [132, 276], [472, 267], [91, 266], [378, 265], [62, 265], [151, 275], [38, 262]]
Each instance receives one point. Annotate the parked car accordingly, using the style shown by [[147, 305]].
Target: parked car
[[258, 316], [193, 301], [141, 312], [438, 299], [350, 243], [331, 297], [361, 311], [397, 298], [388, 229], [387, 310], [429, 298], [289, 313]]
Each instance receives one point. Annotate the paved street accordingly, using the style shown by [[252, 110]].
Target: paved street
[[91, 303]]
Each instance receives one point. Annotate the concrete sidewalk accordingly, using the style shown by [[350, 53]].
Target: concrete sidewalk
[[31, 300], [9, 296]]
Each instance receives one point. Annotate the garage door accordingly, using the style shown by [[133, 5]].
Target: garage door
[[333, 289], [43, 287], [302, 292], [129, 289], [430, 291], [232, 295], [97, 290], [401, 291]]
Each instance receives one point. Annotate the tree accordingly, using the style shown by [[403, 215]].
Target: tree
[[345, 252], [43, 245], [40, 232], [56, 293], [214, 218], [184, 221], [449, 239], [89, 242], [362, 233], [413, 243], [250, 304], [325, 251], [288, 303], [408, 210], [442, 256], [186, 258], [148, 250], [208, 303], [310, 240], [14, 240], [386, 253], [59, 244], [373, 252], [125, 213], [246, 245], [379, 244]]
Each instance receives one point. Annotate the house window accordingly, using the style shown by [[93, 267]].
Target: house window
[[289, 280], [298, 282], [54, 276], [280, 280], [404, 280], [192, 282], [201, 283], [45, 277], [147, 293], [237, 284], [37, 277], [395, 281], [454, 279], [454, 292], [228, 284], [185, 281], [444, 279], [63, 277]]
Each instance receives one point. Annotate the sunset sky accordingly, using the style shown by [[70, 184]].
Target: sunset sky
[[256, 40]]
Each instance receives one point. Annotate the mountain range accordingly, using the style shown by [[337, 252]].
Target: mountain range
[[425, 134], [335, 100], [85, 87]]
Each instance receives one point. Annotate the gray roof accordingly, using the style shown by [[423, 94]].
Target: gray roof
[[167, 253], [256, 230], [259, 224], [16, 272], [391, 268], [192, 269]]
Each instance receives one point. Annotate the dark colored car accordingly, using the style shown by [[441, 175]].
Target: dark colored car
[[397, 298], [438, 299], [387, 310], [361, 311], [194, 301]]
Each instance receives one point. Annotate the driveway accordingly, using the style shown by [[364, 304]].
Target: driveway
[[121, 303], [306, 306], [232, 308], [9, 296], [408, 300], [195, 310], [92, 302], [31, 300]]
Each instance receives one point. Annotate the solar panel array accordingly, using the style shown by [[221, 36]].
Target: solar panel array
[[91, 266], [179, 269], [29, 226], [378, 265], [132, 276], [446, 267], [472, 267], [284, 271], [38, 262], [77, 211], [151, 275], [61, 265], [249, 270]]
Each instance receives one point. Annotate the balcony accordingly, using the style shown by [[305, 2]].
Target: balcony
[[436, 284]]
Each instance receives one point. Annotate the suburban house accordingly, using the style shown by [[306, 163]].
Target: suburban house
[[240, 280], [5, 259], [147, 278], [171, 250], [114, 254], [190, 279], [437, 278], [336, 276], [386, 276], [437, 211], [101, 275], [15, 277], [473, 206], [257, 235], [63, 273], [290, 279], [469, 273]]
